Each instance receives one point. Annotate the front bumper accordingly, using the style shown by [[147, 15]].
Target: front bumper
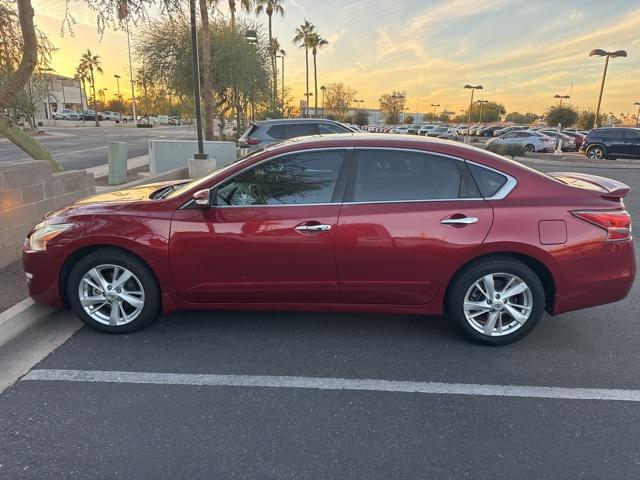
[[43, 274]]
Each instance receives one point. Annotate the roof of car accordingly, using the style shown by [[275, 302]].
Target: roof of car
[[273, 121]]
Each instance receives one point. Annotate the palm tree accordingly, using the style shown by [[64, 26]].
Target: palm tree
[[245, 5], [270, 7], [303, 36], [274, 49], [83, 75], [92, 62], [316, 42]]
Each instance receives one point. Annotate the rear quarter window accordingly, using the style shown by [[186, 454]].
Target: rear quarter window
[[489, 181], [277, 131]]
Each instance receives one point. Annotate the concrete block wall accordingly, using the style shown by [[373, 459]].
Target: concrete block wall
[[28, 191]]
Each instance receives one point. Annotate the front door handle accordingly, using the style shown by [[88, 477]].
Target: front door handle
[[313, 228], [459, 221]]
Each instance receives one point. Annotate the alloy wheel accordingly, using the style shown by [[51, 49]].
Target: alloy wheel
[[498, 304], [111, 295], [595, 153]]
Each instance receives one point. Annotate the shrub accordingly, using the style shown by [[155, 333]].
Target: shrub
[[509, 150], [144, 125]]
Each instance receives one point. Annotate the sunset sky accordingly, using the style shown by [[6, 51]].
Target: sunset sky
[[523, 52]]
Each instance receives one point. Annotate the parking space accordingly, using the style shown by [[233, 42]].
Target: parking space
[[274, 395]]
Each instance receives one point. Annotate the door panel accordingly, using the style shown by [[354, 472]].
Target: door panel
[[254, 254], [400, 253]]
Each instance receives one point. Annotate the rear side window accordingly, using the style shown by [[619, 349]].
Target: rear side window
[[632, 134], [277, 131], [489, 181], [301, 129], [331, 128], [395, 175]]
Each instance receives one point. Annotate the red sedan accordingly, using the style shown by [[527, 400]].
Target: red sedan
[[344, 222]]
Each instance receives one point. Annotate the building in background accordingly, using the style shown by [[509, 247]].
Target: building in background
[[62, 92]]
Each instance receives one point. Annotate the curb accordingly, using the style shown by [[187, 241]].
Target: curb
[[20, 317], [564, 163]]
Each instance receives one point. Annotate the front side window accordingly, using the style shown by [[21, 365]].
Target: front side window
[[295, 179], [396, 175]]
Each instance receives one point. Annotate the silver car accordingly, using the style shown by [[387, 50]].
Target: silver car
[[531, 141], [267, 132]]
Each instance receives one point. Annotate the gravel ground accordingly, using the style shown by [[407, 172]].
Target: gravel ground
[[13, 285]]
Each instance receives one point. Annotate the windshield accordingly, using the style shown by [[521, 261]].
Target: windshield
[[205, 179]]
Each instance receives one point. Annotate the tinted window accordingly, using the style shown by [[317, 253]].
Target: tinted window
[[488, 181], [301, 129], [608, 134], [277, 131], [331, 128], [290, 180], [632, 134], [390, 175], [509, 135]]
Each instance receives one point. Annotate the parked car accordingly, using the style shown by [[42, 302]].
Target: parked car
[[425, 128], [88, 115], [531, 141], [266, 132], [62, 114], [615, 142], [397, 224], [450, 134], [109, 115], [568, 143], [403, 129], [488, 131], [413, 129], [438, 130], [504, 130], [577, 137]]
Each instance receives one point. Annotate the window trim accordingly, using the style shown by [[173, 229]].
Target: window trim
[[349, 170]]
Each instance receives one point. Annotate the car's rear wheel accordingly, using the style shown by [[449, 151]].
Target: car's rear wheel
[[113, 291], [529, 148], [496, 301], [595, 152]]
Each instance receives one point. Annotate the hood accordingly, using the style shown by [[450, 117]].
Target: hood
[[135, 194]]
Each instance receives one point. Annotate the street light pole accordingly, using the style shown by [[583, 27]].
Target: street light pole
[[481, 102], [435, 105], [638, 115], [473, 88], [324, 89], [602, 53], [133, 94], [196, 81], [562, 97], [282, 86]]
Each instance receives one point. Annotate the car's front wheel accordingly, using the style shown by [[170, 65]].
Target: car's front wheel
[[529, 148], [113, 291], [496, 301]]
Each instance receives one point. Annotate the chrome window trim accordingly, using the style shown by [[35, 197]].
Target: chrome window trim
[[499, 195]]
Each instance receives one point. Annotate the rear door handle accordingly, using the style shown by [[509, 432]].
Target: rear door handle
[[313, 228], [459, 221]]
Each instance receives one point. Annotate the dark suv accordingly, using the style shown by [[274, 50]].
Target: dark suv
[[612, 143], [266, 132]]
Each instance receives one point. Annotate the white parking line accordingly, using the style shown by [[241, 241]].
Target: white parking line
[[334, 384]]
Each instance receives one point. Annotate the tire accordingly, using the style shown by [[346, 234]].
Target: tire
[[595, 152], [529, 148], [133, 293], [505, 329]]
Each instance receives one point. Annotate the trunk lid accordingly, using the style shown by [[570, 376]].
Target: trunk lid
[[606, 187]]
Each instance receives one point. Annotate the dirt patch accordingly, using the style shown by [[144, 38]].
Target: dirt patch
[[13, 285]]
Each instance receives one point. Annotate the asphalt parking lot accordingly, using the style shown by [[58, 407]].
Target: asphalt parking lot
[[326, 395], [77, 148]]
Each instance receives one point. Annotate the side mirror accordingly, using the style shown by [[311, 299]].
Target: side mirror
[[202, 199]]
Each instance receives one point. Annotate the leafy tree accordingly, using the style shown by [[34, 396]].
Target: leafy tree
[[564, 115], [361, 117], [491, 112], [338, 100], [408, 119], [521, 118], [391, 104], [244, 5], [271, 7], [586, 117], [302, 38]]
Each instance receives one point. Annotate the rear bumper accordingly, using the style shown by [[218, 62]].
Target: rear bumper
[[601, 279]]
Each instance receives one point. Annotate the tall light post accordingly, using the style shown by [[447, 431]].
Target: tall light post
[[397, 106], [473, 88], [133, 93], [306, 107], [200, 155], [435, 105], [251, 36], [117, 77], [281, 56], [638, 115], [562, 97], [603, 53], [481, 102], [324, 89]]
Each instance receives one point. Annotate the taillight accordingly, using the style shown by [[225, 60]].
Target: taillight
[[617, 223], [248, 141]]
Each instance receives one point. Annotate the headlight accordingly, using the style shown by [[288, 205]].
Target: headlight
[[44, 234]]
